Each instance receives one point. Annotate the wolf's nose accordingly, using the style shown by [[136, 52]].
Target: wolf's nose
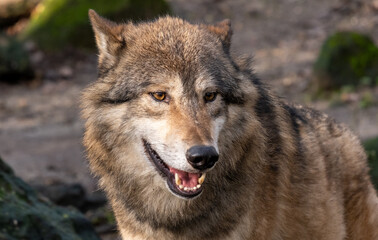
[[202, 157]]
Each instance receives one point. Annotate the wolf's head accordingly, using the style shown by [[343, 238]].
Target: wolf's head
[[165, 93]]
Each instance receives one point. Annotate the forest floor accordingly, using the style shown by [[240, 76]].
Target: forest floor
[[41, 130]]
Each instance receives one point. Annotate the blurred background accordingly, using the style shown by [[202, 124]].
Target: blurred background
[[321, 53]]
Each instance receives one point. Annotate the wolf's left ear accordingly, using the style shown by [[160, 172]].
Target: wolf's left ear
[[223, 31], [109, 36]]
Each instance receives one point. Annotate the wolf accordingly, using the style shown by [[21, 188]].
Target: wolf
[[189, 144]]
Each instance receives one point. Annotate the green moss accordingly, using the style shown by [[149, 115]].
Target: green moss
[[58, 23], [24, 215], [346, 58], [110, 218], [103, 215], [367, 100], [14, 60], [371, 147]]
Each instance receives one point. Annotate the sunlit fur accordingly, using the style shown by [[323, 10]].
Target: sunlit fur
[[284, 171]]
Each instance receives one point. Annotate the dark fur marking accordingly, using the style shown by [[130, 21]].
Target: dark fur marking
[[296, 117], [227, 84], [265, 111], [234, 65], [114, 101], [123, 93]]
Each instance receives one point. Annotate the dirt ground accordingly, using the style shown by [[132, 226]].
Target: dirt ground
[[40, 126]]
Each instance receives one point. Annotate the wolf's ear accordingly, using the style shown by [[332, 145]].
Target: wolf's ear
[[223, 31], [109, 36]]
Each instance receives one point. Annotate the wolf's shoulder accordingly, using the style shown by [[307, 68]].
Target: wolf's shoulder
[[316, 122], [322, 136]]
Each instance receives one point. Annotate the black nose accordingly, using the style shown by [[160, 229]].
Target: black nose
[[202, 157]]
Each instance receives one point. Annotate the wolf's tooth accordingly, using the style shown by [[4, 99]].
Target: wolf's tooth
[[185, 189], [202, 178], [194, 188], [199, 185], [177, 179]]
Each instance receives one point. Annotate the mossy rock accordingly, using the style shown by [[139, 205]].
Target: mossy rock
[[26, 215], [58, 23], [346, 59], [12, 10], [371, 147], [14, 60]]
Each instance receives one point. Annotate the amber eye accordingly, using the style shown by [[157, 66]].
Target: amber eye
[[210, 96], [159, 96]]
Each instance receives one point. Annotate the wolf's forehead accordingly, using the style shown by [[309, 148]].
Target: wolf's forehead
[[174, 57], [173, 38], [168, 30], [171, 45]]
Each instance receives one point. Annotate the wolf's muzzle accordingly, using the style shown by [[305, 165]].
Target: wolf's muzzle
[[202, 157]]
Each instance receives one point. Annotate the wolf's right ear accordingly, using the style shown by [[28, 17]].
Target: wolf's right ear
[[223, 31], [109, 36]]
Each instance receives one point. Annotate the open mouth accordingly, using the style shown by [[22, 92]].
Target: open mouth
[[184, 184]]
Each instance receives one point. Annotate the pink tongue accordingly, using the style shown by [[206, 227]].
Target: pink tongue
[[187, 179]]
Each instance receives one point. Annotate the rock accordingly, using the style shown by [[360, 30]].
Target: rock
[[346, 59], [63, 194], [371, 147], [74, 195], [14, 60], [66, 72], [59, 23], [26, 215], [103, 219], [13, 10], [94, 201]]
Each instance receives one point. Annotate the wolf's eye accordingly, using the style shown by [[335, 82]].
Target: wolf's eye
[[159, 96], [210, 96]]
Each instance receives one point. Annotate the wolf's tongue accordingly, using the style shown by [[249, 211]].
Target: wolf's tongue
[[187, 179]]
